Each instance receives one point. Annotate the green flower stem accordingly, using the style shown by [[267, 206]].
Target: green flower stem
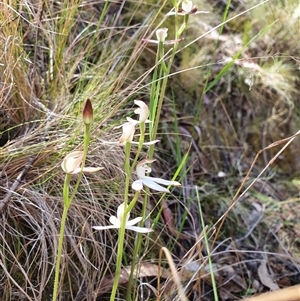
[[136, 252], [130, 280], [160, 88], [119, 259], [156, 84], [87, 131], [183, 26], [161, 53], [136, 249], [154, 79], [157, 115], [133, 202], [66, 189], [128, 173], [130, 207], [123, 224], [61, 235], [140, 146], [67, 203]]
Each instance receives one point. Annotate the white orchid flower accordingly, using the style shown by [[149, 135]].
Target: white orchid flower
[[187, 5], [143, 111], [141, 169], [161, 35], [128, 129], [71, 164], [117, 222]]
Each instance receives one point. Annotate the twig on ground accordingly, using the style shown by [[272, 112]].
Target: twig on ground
[[17, 182], [291, 293]]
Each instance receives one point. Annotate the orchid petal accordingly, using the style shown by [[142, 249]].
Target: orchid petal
[[72, 161], [120, 213], [133, 121], [137, 185], [167, 42], [172, 42], [91, 169], [128, 129], [149, 183], [128, 132], [139, 229], [115, 221], [150, 41], [161, 34], [142, 168], [187, 5], [134, 221], [145, 143], [76, 171], [104, 227], [163, 181], [151, 142], [86, 170], [143, 110]]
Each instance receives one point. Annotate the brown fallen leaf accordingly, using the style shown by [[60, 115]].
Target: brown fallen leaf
[[169, 221], [265, 277], [146, 270]]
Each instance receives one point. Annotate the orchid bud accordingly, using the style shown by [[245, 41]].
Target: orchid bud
[[87, 112], [161, 34]]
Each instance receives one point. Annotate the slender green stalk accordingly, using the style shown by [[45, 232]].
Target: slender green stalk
[[85, 149], [128, 173], [160, 83], [133, 202], [130, 206], [61, 234], [136, 252], [140, 146], [157, 93], [123, 224], [119, 259], [67, 203]]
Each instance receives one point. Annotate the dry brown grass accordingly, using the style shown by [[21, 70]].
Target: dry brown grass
[[44, 79], [45, 75]]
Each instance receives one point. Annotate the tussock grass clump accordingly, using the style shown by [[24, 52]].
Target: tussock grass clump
[[53, 56]]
